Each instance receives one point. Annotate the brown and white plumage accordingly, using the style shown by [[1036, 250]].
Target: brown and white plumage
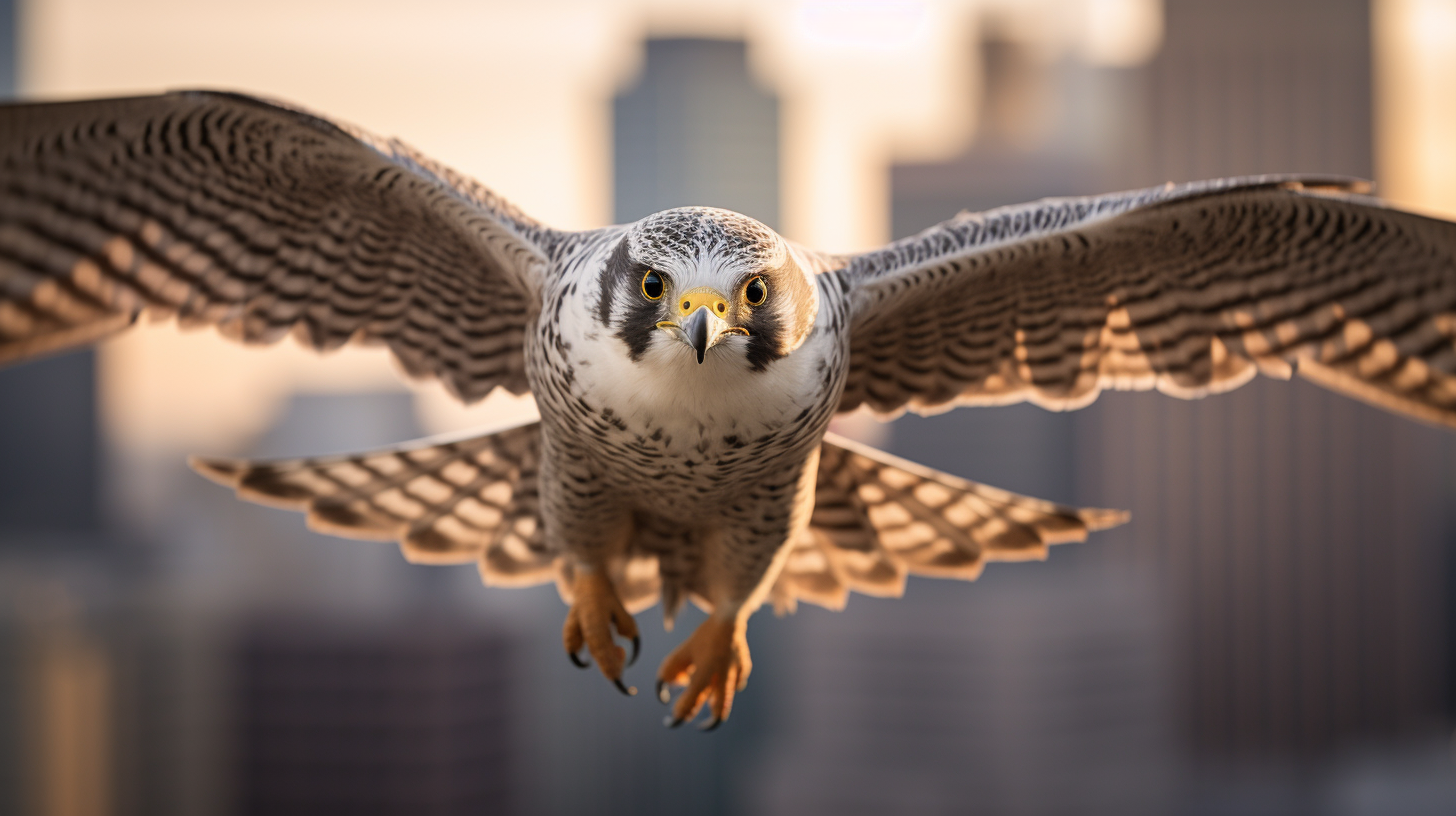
[[264, 221], [878, 519], [1189, 289], [470, 500], [686, 366]]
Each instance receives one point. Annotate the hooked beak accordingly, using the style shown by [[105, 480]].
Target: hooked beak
[[702, 330]]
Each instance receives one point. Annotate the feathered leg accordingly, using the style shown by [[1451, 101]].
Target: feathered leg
[[743, 558]]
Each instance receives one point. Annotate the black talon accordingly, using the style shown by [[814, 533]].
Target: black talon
[[636, 649], [629, 691], [671, 722], [712, 725], [578, 662], [664, 694]]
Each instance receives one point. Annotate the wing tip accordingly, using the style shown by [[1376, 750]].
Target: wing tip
[[241, 476], [1097, 518], [226, 472], [1342, 381], [1326, 185], [18, 350]]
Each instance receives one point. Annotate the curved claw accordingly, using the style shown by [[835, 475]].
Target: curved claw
[[672, 722], [711, 725], [630, 691], [595, 610], [636, 650], [664, 694]]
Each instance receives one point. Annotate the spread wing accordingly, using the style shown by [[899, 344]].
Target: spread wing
[[227, 210], [1187, 289], [445, 502], [878, 518]]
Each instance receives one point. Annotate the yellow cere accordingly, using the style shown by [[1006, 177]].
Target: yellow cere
[[689, 302]]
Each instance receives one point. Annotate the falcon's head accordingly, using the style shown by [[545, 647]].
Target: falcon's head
[[706, 282]]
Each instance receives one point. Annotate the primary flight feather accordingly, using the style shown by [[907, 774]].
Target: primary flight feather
[[686, 366]]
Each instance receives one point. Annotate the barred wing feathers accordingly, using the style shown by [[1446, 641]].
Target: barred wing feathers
[[878, 518], [1188, 289], [263, 220], [450, 502]]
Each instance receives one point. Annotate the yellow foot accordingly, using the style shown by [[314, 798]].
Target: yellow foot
[[594, 610], [713, 664]]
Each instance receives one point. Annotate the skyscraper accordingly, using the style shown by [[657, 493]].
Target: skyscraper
[[1302, 534]]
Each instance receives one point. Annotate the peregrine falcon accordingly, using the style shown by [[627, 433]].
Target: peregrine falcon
[[686, 366]]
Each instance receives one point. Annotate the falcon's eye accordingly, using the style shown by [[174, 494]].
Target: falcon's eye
[[756, 292], [652, 285]]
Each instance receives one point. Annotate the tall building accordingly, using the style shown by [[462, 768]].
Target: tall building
[[1305, 534], [1300, 541], [1041, 688], [695, 130]]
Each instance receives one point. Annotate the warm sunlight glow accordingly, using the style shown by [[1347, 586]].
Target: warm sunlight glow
[[869, 25], [1122, 33], [1415, 48]]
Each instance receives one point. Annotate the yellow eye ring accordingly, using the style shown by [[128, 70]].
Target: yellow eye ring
[[755, 292], [652, 286]]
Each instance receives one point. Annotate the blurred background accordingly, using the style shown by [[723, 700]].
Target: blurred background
[[1274, 633]]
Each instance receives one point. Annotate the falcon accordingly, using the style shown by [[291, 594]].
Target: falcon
[[687, 366]]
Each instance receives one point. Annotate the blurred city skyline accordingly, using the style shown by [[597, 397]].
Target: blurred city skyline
[[1272, 633]]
